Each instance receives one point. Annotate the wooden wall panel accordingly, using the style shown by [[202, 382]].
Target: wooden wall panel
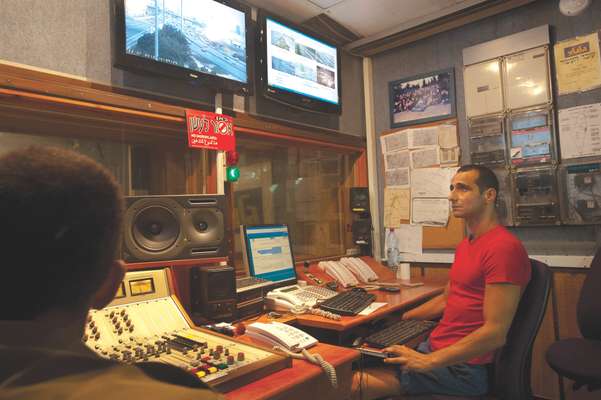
[[544, 381]]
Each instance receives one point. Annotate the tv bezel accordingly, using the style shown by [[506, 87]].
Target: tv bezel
[[294, 99], [141, 64]]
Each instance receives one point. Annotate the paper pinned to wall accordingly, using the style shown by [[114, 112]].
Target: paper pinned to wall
[[580, 131], [399, 159], [423, 158], [394, 142], [423, 137], [397, 203], [409, 238], [430, 212], [397, 177], [447, 136], [431, 182], [449, 157]]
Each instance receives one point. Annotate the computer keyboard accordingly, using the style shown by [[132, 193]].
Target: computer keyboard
[[350, 302], [399, 333]]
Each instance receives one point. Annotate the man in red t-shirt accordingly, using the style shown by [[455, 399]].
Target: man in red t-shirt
[[489, 274]]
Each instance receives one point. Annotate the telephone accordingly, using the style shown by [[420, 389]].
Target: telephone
[[279, 334], [339, 272], [359, 268], [289, 297]]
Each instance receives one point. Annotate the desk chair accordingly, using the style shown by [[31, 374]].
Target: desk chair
[[578, 358], [510, 373]]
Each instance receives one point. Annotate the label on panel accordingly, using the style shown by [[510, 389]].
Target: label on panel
[[487, 140]]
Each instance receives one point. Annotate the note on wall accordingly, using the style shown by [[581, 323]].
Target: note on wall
[[396, 206], [423, 158], [447, 136], [395, 160], [406, 238], [430, 212], [431, 182], [397, 177], [394, 142], [423, 137], [578, 64], [580, 131]]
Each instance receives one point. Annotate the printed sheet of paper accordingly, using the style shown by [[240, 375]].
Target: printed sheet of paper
[[447, 136], [372, 307], [483, 93], [449, 157], [423, 137], [397, 177], [578, 64], [398, 159], [430, 212], [408, 238], [394, 142], [431, 182], [397, 204], [424, 158], [580, 131], [527, 78]]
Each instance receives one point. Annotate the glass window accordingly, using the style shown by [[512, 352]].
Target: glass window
[[304, 187]]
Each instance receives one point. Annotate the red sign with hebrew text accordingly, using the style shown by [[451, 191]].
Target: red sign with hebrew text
[[207, 130]]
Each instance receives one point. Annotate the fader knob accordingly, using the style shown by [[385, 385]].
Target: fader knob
[[230, 360], [220, 348], [240, 356]]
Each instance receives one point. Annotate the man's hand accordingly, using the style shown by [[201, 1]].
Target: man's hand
[[409, 359]]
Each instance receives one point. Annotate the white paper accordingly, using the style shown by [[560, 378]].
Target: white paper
[[399, 159], [372, 307], [447, 136], [483, 93], [424, 158], [527, 78], [397, 204], [430, 212], [394, 142], [397, 177], [431, 182], [409, 238], [423, 137], [450, 157], [580, 131]]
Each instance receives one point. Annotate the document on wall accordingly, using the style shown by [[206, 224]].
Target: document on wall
[[397, 204], [398, 159], [423, 158], [397, 177], [580, 131], [394, 142], [447, 136], [431, 182], [449, 157], [430, 212], [409, 238], [578, 64], [423, 137]]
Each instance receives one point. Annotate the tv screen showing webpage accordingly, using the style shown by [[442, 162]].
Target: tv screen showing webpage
[[269, 253], [301, 64], [199, 35]]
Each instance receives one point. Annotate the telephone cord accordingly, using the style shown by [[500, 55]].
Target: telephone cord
[[316, 359], [304, 309]]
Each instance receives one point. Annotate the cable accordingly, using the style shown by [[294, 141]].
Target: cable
[[304, 309], [316, 359]]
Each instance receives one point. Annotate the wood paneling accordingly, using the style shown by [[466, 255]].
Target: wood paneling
[[544, 381]]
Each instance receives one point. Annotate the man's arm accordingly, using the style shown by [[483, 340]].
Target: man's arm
[[431, 309], [500, 304]]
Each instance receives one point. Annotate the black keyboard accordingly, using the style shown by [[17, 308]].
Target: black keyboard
[[399, 333], [350, 302]]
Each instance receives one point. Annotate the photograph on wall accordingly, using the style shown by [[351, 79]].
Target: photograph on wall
[[423, 98]]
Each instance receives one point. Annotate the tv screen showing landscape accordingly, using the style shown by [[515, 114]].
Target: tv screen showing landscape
[[300, 64], [199, 35]]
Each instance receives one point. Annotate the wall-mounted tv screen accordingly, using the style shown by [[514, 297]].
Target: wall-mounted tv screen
[[299, 68], [190, 39]]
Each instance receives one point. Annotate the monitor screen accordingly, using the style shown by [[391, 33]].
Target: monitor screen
[[300, 64], [202, 37], [268, 252]]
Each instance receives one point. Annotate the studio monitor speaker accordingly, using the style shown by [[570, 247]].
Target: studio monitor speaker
[[362, 231], [159, 228], [213, 292], [359, 197]]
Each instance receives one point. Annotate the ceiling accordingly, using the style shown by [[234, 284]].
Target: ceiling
[[369, 20]]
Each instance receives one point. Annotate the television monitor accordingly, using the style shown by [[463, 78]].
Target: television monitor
[[268, 253], [197, 40], [297, 67]]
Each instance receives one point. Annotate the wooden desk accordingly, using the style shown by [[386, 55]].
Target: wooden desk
[[406, 298], [304, 380]]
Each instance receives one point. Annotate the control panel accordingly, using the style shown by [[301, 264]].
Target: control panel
[[146, 323]]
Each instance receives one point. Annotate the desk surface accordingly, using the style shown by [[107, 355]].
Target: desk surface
[[406, 298]]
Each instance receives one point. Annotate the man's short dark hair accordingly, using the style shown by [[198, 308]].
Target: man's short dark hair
[[486, 178], [61, 218]]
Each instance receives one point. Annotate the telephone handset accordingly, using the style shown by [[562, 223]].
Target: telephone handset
[[339, 272], [359, 268], [279, 334]]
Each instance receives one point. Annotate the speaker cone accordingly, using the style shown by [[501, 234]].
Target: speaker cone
[[155, 228], [207, 225]]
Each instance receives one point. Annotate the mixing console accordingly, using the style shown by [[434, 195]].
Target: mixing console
[[145, 323]]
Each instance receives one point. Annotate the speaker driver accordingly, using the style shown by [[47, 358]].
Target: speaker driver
[[207, 226], [155, 229]]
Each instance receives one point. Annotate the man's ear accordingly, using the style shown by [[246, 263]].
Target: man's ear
[[491, 195], [108, 289]]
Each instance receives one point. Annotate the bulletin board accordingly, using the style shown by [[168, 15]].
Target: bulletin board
[[434, 237]]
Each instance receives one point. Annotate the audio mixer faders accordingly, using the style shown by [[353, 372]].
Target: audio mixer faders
[[145, 323]]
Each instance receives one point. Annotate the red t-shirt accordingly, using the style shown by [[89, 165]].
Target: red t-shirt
[[495, 257]]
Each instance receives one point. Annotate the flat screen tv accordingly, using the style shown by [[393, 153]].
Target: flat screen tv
[[198, 40], [298, 67]]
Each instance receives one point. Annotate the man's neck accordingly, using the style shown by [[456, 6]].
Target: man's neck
[[478, 226]]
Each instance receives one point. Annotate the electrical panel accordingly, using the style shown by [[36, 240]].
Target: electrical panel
[[531, 137], [487, 140], [535, 196], [504, 197], [581, 194]]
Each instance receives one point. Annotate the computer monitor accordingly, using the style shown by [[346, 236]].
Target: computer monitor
[[268, 253]]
